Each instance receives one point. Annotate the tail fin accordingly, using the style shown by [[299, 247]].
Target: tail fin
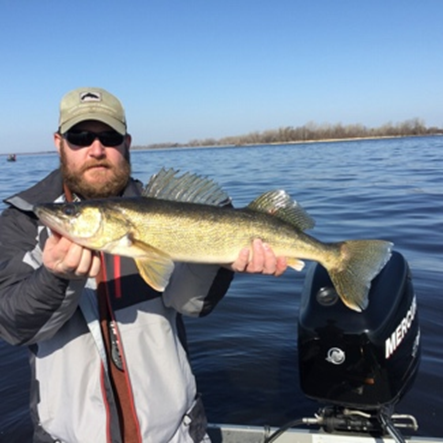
[[361, 261]]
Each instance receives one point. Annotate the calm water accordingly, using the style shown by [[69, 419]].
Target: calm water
[[244, 354]]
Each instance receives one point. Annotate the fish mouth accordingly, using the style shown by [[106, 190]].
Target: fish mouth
[[40, 212], [55, 222], [49, 220], [53, 217]]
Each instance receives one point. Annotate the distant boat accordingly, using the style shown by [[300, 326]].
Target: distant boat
[[11, 158]]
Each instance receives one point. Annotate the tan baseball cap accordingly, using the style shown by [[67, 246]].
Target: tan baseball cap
[[91, 104]]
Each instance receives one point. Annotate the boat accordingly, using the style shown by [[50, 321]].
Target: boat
[[257, 434], [11, 158], [357, 365]]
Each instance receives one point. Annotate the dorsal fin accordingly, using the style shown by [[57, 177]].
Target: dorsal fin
[[280, 204], [190, 188]]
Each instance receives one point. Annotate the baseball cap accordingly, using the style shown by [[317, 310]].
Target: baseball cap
[[91, 104]]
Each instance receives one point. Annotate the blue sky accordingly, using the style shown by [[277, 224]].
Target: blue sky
[[211, 68]]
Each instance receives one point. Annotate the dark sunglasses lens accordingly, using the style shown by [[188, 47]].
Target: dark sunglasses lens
[[110, 138], [83, 138], [86, 138]]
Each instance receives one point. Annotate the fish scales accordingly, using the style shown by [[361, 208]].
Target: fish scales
[[210, 234]]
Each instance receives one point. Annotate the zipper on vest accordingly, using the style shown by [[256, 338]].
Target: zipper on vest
[[116, 356]]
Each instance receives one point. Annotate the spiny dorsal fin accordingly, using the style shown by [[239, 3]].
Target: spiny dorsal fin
[[279, 204], [190, 188]]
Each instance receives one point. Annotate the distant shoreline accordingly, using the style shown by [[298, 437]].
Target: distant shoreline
[[246, 145], [295, 142]]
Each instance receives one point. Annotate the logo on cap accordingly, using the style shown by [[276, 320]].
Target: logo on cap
[[90, 97]]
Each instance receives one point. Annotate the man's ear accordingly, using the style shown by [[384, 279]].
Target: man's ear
[[128, 140], [58, 140]]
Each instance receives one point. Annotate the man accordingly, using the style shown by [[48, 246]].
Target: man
[[107, 351]]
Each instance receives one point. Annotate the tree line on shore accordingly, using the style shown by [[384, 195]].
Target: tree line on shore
[[312, 132]]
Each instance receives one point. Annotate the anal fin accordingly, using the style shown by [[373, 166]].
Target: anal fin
[[295, 263]]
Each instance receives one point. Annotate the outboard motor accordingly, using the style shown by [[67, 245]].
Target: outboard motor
[[360, 360]]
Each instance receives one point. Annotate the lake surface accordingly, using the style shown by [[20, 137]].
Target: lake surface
[[244, 354]]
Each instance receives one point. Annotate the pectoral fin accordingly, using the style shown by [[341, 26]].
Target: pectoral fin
[[155, 267]]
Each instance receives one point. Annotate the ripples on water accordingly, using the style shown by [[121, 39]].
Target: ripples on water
[[244, 354]]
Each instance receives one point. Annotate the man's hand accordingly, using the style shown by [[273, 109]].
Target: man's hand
[[261, 261], [69, 260]]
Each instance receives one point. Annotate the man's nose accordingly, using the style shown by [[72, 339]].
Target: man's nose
[[96, 149]]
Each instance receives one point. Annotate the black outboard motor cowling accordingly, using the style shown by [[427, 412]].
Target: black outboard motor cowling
[[364, 360]]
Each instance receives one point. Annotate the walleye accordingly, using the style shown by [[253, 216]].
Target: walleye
[[187, 219]]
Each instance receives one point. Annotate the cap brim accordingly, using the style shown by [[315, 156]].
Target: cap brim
[[115, 124]]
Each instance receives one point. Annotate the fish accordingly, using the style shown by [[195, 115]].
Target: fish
[[189, 218]]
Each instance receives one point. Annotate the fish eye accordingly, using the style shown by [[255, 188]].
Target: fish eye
[[69, 210]]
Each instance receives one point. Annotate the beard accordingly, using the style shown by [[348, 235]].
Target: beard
[[105, 184]]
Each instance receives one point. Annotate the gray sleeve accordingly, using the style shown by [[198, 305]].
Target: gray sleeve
[[34, 304]]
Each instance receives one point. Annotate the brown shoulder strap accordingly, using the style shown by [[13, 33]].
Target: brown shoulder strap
[[118, 374]]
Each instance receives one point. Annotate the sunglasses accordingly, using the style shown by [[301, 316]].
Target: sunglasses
[[86, 138]]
